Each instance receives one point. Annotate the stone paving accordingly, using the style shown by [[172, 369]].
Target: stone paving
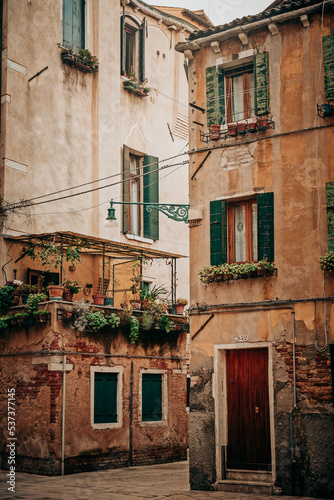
[[155, 482]]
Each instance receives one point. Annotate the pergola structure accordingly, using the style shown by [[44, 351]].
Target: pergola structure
[[99, 246]]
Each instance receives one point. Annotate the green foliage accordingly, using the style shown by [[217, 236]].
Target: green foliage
[[96, 321], [73, 286], [49, 254], [33, 300], [147, 321], [87, 58], [226, 272], [6, 297], [165, 323], [4, 323], [134, 329], [327, 261], [113, 320]]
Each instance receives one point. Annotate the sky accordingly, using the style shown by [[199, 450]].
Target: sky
[[219, 11]]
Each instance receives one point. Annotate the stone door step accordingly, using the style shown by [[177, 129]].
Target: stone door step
[[248, 475], [238, 486]]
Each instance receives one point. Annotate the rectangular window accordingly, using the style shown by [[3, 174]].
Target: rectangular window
[[151, 397], [242, 229], [106, 392], [238, 93], [239, 97], [140, 185], [130, 51], [133, 47], [74, 24]]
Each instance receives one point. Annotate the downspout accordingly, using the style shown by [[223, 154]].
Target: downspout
[[103, 264], [292, 433], [63, 419], [130, 415], [294, 357]]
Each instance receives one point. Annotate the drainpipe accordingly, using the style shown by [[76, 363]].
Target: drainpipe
[[63, 419], [292, 433], [294, 357], [130, 414]]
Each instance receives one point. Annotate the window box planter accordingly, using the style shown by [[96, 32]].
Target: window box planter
[[228, 272], [252, 127], [82, 60], [136, 88]]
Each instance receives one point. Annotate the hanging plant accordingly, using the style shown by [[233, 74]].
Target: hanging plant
[[327, 261], [134, 329]]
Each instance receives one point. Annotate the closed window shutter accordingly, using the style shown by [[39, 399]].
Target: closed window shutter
[[126, 188], [151, 397], [261, 83], [151, 195], [105, 398], [265, 229], [328, 55], [74, 24], [330, 214], [218, 253], [142, 36], [215, 98], [123, 45]]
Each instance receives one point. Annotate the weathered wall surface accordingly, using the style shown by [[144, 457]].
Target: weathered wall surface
[[37, 379], [294, 161]]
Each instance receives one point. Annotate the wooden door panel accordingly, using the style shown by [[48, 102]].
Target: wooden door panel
[[248, 409]]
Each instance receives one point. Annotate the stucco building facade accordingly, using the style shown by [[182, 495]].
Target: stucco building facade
[[261, 174]]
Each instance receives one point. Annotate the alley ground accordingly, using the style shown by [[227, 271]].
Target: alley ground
[[155, 482]]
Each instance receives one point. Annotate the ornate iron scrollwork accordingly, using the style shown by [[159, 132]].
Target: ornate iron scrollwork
[[175, 212]]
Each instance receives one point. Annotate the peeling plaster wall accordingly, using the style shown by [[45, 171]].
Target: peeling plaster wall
[[295, 165]]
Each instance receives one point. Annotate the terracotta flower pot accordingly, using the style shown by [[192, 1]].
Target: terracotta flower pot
[[262, 123], [242, 128], [214, 132], [179, 308], [252, 127], [98, 299], [232, 129], [56, 292], [67, 295]]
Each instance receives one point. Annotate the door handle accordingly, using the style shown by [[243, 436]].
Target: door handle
[[257, 409]]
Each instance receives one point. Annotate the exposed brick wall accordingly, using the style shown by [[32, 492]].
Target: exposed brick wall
[[313, 373]]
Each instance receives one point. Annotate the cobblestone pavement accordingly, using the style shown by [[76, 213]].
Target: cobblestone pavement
[[155, 482]]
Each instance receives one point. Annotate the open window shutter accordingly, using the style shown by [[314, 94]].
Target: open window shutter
[[330, 214], [215, 98], [218, 254], [67, 23], [126, 188], [328, 55], [261, 83], [151, 195], [123, 44], [78, 24], [265, 226], [105, 398], [142, 36]]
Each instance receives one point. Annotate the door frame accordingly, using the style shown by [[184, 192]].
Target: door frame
[[219, 392]]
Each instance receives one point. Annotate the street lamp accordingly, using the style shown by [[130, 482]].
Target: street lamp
[[175, 212]]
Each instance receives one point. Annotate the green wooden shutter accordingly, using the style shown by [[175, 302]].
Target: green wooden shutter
[[151, 397], [215, 96], [142, 36], [105, 398], [74, 24], [126, 188], [123, 44], [261, 83], [328, 55], [151, 195], [218, 254], [330, 214], [265, 226]]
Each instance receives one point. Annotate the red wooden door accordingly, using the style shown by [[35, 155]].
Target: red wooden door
[[248, 409]]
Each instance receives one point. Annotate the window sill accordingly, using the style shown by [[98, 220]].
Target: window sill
[[134, 88], [74, 60], [139, 238], [260, 273], [116, 425]]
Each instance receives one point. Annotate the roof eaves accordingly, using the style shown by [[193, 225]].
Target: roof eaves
[[160, 15]]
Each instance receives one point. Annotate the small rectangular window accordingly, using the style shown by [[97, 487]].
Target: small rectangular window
[[242, 229], [105, 398], [74, 24], [151, 397], [239, 98]]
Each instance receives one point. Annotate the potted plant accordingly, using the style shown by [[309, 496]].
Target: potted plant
[[252, 127], [34, 300], [98, 299], [215, 131], [180, 304], [232, 129], [6, 298], [55, 292], [71, 287], [41, 315], [4, 323], [22, 292], [242, 127], [262, 122], [327, 261], [20, 317], [96, 321]]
